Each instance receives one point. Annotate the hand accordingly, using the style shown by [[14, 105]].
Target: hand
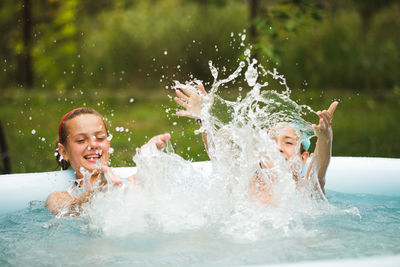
[[191, 101], [324, 129], [110, 175], [159, 141]]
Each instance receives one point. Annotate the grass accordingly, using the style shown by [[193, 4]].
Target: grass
[[364, 125]]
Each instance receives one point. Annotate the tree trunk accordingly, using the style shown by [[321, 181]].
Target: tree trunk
[[253, 8], [4, 155], [27, 39]]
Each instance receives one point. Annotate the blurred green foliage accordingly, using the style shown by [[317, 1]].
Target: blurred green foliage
[[166, 40], [338, 53], [31, 126], [363, 125], [328, 43], [103, 53]]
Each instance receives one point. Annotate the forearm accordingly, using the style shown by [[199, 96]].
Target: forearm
[[323, 152], [63, 202], [323, 149], [205, 140]]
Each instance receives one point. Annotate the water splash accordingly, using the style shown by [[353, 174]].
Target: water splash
[[175, 197]]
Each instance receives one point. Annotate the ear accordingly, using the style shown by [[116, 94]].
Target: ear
[[62, 151], [304, 157]]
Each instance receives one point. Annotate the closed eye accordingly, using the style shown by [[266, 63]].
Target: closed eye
[[101, 138]]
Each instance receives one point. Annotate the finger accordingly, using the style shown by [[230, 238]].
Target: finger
[[181, 95], [160, 140], [165, 137], [200, 86], [332, 108], [160, 145], [188, 92], [184, 113], [316, 128], [324, 124], [181, 102], [325, 116], [160, 137]]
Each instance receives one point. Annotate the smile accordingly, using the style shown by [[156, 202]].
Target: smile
[[92, 157]]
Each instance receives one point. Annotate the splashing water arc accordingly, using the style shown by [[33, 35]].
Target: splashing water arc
[[175, 197]]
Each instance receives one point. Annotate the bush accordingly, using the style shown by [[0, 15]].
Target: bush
[[164, 41], [340, 53]]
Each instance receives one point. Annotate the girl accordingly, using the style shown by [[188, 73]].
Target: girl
[[286, 137], [84, 145]]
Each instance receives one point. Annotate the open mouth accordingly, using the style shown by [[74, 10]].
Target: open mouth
[[92, 157]]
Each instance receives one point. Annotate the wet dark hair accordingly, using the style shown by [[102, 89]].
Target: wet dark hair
[[302, 149], [62, 139]]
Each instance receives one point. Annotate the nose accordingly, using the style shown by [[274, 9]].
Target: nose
[[279, 146], [93, 143]]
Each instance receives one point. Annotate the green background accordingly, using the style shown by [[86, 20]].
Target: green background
[[102, 54]]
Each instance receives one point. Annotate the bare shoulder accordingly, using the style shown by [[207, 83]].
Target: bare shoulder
[[57, 201]]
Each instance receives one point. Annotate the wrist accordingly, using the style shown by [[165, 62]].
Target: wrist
[[327, 141]]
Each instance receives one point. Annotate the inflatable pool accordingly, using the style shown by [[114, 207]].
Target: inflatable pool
[[380, 176], [346, 175]]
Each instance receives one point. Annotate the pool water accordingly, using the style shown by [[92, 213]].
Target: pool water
[[186, 216], [357, 225]]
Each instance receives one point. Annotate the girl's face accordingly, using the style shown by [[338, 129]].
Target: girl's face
[[87, 144], [287, 142]]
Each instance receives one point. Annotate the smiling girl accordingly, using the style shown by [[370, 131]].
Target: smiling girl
[[84, 145]]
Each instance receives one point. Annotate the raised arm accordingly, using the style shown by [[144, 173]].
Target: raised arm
[[192, 103], [323, 148]]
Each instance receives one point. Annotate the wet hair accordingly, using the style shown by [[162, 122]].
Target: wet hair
[[302, 149], [62, 138]]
